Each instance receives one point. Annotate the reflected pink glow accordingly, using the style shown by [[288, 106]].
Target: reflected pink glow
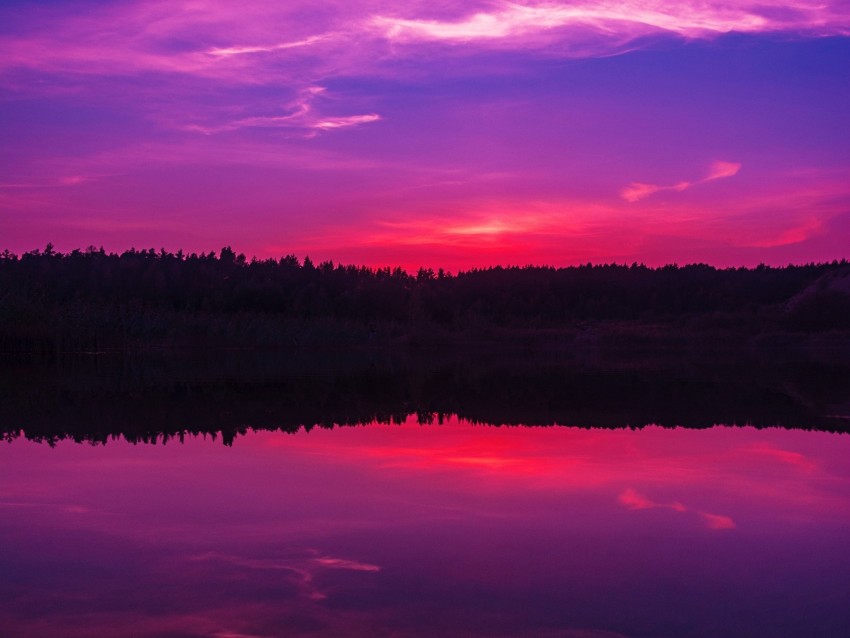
[[364, 529]]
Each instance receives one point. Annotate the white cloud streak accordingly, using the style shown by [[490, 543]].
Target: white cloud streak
[[301, 116], [631, 19], [224, 52]]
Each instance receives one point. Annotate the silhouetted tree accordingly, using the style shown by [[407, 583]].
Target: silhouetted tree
[[92, 299]]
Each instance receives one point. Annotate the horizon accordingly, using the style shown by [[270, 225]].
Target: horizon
[[300, 261], [414, 135]]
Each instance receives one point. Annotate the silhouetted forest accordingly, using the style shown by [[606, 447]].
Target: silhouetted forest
[[157, 397], [92, 300]]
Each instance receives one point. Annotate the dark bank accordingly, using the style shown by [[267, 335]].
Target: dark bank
[[93, 301]]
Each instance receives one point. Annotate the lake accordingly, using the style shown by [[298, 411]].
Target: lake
[[439, 529]]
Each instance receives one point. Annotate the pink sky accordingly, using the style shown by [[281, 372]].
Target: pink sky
[[436, 134]]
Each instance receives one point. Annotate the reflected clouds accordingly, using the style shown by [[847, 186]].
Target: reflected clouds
[[303, 571], [633, 500], [369, 530]]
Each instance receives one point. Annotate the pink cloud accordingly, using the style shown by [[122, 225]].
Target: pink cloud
[[341, 563], [637, 190], [716, 521], [719, 170], [633, 500], [794, 235], [794, 459]]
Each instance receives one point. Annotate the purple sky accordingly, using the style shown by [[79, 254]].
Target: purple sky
[[452, 134]]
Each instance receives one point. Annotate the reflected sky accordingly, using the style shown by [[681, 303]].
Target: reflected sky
[[409, 530]]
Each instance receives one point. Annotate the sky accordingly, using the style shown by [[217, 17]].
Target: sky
[[436, 134]]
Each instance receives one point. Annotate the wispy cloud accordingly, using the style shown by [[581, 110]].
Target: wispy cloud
[[225, 52], [637, 191], [617, 21], [634, 500], [194, 47], [301, 115], [301, 570], [793, 459], [245, 44], [511, 20], [717, 521], [800, 232], [341, 563], [720, 170]]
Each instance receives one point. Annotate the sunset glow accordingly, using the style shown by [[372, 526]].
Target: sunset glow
[[450, 135]]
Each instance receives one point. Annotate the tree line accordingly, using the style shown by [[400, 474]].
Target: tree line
[[91, 299], [158, 397]]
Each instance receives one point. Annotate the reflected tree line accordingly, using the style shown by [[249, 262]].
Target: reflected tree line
[[157, 399], [91, 300]]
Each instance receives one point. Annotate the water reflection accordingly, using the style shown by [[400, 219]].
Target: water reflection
[[145, 398], [410, 530]]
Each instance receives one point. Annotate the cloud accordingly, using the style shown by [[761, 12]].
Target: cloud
[[341, 563], [717, 521], [794, 459], [196, 50], [245, 43], [301, 571], [512, 20], [616, 21], [719, 170], [301, 116], [298, 565], [637, 191], [348, 120], [634, 500], [225, 52], [798, 233]]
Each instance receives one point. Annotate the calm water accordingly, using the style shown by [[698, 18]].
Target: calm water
[[440, 530]]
